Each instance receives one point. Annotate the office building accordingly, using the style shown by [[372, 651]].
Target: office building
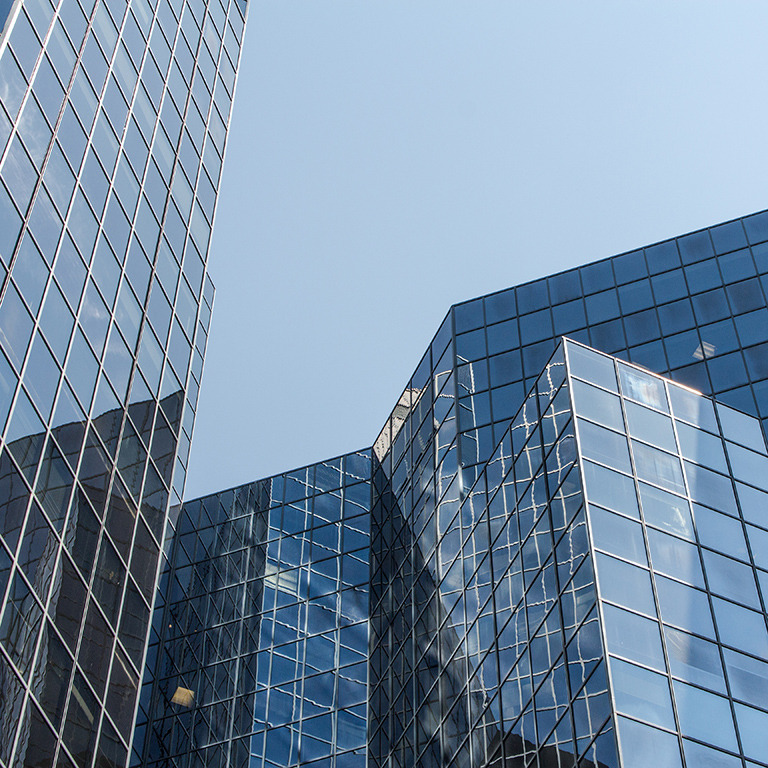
[[566, 544], [113, 119]]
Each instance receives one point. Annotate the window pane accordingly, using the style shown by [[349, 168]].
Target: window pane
[[597, 405], [666, 511], [643, 746], [625, 584], [642, 694], [694, 660], [617, 535], [640, 386], [633, 637], [658, 467], [684, 607], [705, 716], [693, 408], [610, 489], [651, 426], [592, 366], [603, 445]]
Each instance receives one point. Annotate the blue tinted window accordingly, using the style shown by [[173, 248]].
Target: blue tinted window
[[705, 716], [608, 337], [532, 296], [753, 327], [669, 286], [610, 489], [597, 277], [468, 316], [636, 296], [565, 286], [728, 371], [662, 257], [737, 266], [500, 306], [684, 607], [703, 276], [711, 306], [568, 317], [757, 227], [630, 266], [695, 247], [728, 237], [722, 336], [694, 660]]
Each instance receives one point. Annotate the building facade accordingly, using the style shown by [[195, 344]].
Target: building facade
[[113, 120], [565, 544]]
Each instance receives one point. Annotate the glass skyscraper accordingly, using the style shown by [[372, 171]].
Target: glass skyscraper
[[554, 554], [113, 119]]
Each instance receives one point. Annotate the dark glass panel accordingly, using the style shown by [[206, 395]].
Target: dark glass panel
[[80, 727], [121, 517], [144, 561], [108, 580], [728, 237], [82, 536], [37, 555], [112, 752], [695, 247], [14, 495], [11, 699], [20, 624], [133, 625], [37, 745], [95, 649], [95, 472], [68, 602], [51, 680]]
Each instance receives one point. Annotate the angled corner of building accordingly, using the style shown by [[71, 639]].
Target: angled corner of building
[[555, 554]]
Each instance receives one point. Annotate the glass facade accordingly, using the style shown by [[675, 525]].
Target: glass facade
[[548, 557], [677, 506], [558, 556], [262, 621], [693, 308], [508, 662], [113, 117]]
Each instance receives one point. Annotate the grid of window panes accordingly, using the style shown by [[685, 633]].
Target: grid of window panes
[[678, 511], [263, 626], [693, 308], [113, 119], [415, 480], [199, 683], [503, 664]]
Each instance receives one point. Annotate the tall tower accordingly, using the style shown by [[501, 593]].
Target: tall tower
[[113, 122]]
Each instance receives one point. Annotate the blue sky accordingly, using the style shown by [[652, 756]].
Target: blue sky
[[388, 158]]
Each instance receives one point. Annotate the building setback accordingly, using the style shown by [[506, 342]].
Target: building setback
[[113, 120], [555, 553]]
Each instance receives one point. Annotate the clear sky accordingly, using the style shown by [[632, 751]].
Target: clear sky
[[388, 158]]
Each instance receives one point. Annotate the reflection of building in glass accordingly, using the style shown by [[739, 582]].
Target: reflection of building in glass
[[562, 559], [113, 120], [264, 634]]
